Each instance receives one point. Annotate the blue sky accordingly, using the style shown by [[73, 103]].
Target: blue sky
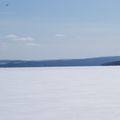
[[58, 29]]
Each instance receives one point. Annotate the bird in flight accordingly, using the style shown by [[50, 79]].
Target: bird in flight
[[5, 3]]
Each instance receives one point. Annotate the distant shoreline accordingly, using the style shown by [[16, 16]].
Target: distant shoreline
[[99, 61]]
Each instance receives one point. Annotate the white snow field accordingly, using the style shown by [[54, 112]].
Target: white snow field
[[66, 93]]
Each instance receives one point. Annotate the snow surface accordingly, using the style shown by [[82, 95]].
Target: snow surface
[[73, 93]]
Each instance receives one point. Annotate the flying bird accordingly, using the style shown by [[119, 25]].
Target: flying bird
[[6, 4]]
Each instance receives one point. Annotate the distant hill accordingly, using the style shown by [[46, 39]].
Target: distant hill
[[99, 61], [114, 63]]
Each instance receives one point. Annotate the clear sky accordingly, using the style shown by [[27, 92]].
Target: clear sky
[[59, 29]]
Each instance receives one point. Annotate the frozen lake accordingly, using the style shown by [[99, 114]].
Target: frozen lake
[[73, 93]]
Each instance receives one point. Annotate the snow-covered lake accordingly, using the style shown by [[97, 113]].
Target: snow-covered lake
[[73, 93]]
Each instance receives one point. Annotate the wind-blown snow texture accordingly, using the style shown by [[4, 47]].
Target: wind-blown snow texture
[[74, 93]]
